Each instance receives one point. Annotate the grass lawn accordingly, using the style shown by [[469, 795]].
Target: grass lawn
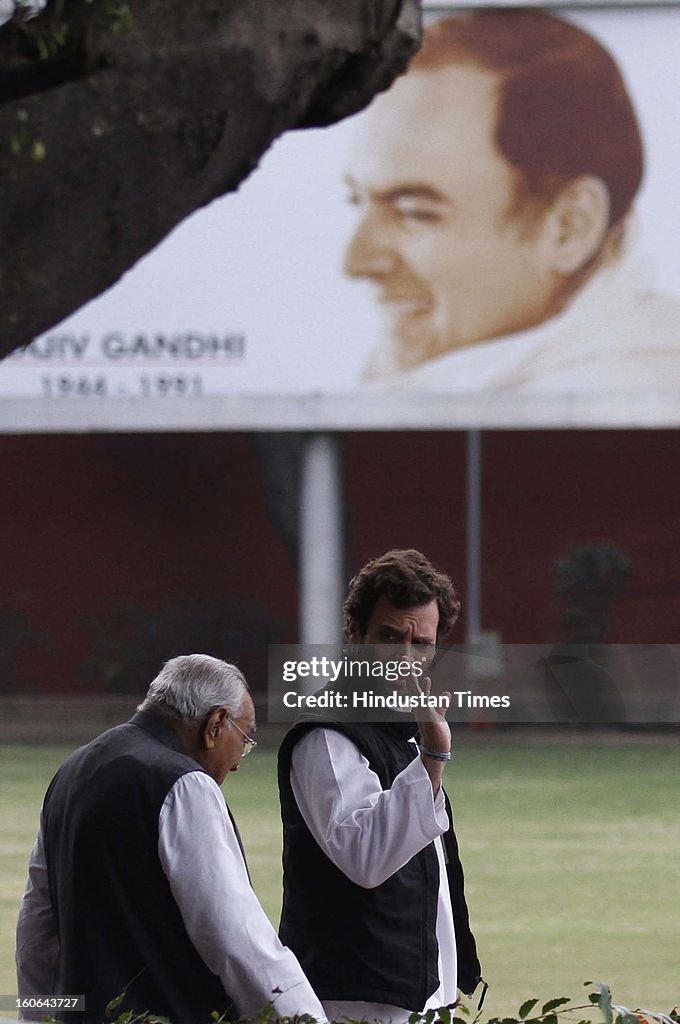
[[571, 851]]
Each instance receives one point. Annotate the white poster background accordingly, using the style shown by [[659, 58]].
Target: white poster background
[[256, 280]]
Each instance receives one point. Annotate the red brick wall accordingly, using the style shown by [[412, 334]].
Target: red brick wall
[[543, 491], [94, 522]]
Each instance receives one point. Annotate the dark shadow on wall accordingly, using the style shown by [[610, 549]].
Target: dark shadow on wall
[[128, 649], [17, 635], [587, 581]]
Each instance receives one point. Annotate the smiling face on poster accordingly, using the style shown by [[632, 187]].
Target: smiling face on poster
[[497, 224]]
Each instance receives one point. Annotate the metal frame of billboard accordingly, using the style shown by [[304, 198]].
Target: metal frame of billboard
[[657, 410]]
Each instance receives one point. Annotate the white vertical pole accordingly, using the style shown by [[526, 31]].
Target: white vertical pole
[[321, 541], [473, 534]]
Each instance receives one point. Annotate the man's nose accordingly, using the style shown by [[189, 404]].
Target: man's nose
[[410, 651], [403, 650], [369, 253]]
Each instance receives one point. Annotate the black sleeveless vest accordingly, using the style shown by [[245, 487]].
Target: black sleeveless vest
[[115, 913], [373, 945]]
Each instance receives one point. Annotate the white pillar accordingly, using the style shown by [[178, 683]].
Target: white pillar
[[473, 535], [321, 541]]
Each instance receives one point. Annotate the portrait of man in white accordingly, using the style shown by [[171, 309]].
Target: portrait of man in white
[[495, 186]]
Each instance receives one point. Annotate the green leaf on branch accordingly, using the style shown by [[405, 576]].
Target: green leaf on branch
[[552, 1004], [526, 1008], [115, 1003]]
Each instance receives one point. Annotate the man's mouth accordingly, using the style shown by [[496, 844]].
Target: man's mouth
[[400, 306], [410, 320]]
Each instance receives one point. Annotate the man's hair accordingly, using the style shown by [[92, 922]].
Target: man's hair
[[191, 685], [408, 580], [563, 107]]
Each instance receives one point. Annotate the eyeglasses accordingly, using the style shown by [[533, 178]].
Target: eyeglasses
[[248, 742]]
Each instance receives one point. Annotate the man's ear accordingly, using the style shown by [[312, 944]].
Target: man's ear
[[214, 724], [577, 224]]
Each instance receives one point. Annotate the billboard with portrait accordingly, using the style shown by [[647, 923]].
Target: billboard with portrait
[[492, 243]]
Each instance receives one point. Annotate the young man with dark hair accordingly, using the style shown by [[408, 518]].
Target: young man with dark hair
[[374, 905]]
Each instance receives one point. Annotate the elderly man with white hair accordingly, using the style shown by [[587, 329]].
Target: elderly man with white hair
[[138, 882]]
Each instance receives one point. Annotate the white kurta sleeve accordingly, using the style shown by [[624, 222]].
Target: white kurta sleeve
[[37, 942], [369, 833], [201, 857]]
